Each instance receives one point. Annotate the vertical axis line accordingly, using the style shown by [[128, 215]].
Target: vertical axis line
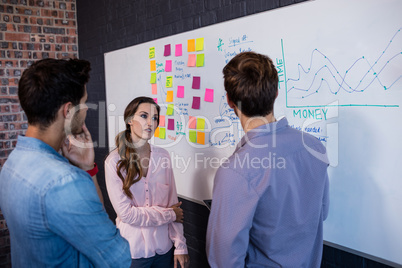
[[284, 68]]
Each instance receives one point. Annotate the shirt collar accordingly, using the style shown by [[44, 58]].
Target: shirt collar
[[262, 130], [33, 144]]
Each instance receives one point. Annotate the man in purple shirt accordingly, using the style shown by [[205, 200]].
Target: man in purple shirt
[[271, 197]]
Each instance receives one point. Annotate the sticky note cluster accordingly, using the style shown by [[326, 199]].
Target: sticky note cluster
[[195, 45], [196, 128]]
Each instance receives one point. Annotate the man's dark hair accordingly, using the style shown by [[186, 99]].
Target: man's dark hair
[[48, 84], [251, 83]]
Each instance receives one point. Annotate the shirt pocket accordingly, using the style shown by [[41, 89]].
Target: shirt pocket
[[161, 196]]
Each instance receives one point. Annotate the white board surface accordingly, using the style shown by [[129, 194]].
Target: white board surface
[[340, 69]]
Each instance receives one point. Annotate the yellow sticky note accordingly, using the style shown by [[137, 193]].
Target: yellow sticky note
[[192, 135], [191, 45], [200, 60], [200, 137], [199, 44], [153, 65], [154, 89], [170, 109], [156, 134], [162, 133], [153, 78], [152, 52], [169, 96], [169, 81], [200, 124]]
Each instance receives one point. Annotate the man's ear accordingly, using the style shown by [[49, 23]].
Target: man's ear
[[67, 109], [231, 104]]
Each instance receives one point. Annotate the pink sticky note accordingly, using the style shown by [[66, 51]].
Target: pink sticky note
[[154, 89], [156, 100], [209, 95], [168, 66], [167, 50], [192, 122], [192, 59], [161, 120], [178, 51], [196, 82], [180, 91], [170, 124], [196, 103]]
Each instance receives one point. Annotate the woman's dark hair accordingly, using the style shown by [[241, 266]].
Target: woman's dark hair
[[48, 84], [251, 83], [129, 158]]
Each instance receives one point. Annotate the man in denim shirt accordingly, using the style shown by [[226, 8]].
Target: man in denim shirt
[[270, 198], [51, 205]]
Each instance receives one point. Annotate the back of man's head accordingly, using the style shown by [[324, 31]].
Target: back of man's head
[[48, 84], [251, 83]]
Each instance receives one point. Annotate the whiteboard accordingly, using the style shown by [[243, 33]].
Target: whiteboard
[[340, 71]]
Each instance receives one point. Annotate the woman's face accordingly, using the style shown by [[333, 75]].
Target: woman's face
[[144, 122]]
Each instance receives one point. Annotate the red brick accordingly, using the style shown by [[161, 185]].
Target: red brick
[[71, 32], [5, 108], [69, 15], [4, 126], [17, 37], [64, 23], [14, 63], [16, 108], [67, 55], [70, 48], [11, 27], [34, 11], [45, 13], [66, 39]]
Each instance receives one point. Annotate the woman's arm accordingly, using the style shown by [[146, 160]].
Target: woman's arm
[[176, 232]]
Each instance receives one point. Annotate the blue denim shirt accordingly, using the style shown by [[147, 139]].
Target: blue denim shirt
[[269, 201], [54, 214]]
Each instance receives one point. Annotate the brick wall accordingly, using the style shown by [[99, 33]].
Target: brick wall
[[29, 30]]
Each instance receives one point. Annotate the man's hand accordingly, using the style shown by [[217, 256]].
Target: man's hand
[[184, 261], [179, 212], [79, 149]]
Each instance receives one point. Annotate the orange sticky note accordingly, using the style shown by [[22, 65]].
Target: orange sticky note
[[154, 89], [153, 65], [201, 137], [156, 134], [191, 45], [169, 96]]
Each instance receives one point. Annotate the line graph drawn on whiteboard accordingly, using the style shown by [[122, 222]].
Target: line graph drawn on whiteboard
[[366, 82]]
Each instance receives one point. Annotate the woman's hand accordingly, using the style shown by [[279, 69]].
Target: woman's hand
[[184, 260], [179, 212]]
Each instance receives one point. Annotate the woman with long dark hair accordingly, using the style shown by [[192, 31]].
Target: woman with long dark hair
[[142, 190]]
